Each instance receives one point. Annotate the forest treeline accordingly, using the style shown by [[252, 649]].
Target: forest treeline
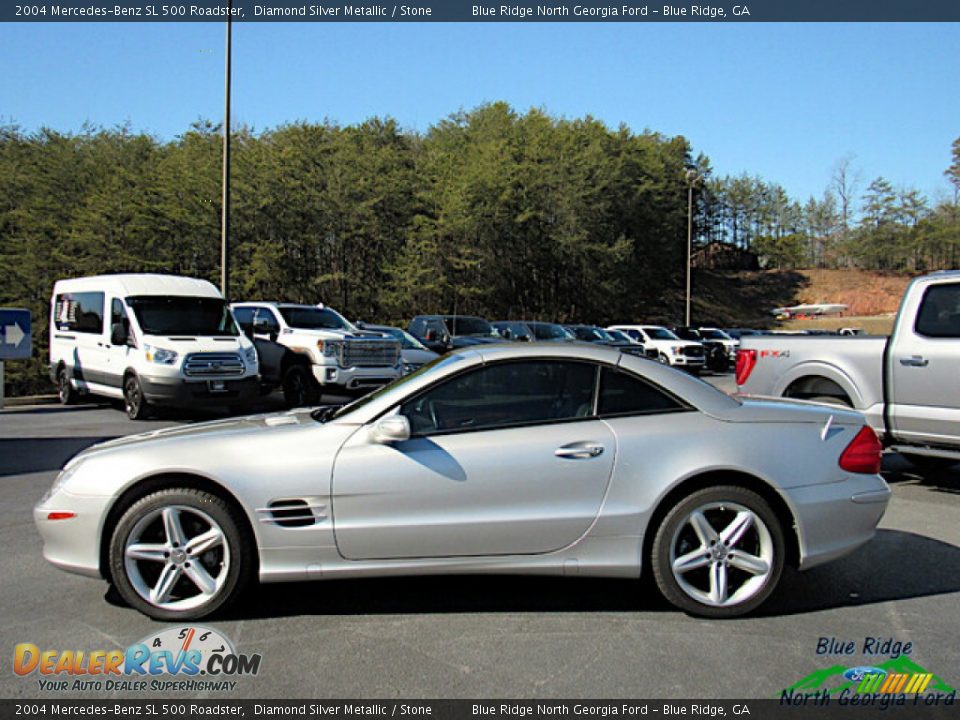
[[489, 211]]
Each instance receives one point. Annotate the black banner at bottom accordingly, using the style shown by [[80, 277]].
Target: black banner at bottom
[[878, 706]]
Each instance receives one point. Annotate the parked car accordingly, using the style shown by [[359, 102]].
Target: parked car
[[715, 352], [306, 349], [527, 331], [150, 340], [906, 385], [413, 353], [443, 333], [536, 458], [730, 344], [740, 333], [671, 350], [599, 336]]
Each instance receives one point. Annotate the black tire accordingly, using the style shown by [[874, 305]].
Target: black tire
[[236, 553], [719, 503], [928, 463], [134, 403], [832, 400], [66, 393], [663, 359], [300, 389]]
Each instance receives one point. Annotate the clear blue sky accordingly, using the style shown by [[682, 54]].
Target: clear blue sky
[[784, 101]]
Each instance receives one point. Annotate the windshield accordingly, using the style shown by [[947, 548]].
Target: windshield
[[460, 325], [313, 318], [618, 336], [407, 341], [590, 334], [549, 331], [179, 315], [323, 414], [658, 333], [715, 335]]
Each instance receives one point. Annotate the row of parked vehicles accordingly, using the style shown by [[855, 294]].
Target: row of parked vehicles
[[161, 340]]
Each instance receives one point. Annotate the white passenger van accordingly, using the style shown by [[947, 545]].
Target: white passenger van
[[149, 340]]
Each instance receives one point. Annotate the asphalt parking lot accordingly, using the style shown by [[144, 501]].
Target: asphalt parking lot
[[483, 637]]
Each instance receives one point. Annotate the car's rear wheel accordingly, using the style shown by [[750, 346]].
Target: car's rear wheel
[[65, 390], [180, 554], [719, 552]]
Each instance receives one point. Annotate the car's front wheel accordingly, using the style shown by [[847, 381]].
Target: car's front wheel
[[180, 554], [719, 552]]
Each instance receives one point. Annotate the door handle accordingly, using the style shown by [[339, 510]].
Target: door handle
[[579, 451], [914, 361]]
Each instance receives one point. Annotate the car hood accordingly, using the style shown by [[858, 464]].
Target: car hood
[[214, 430], [345, 334], [419, 357]]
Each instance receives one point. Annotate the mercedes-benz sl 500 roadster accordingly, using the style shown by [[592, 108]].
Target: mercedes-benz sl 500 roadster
[[561, 459]]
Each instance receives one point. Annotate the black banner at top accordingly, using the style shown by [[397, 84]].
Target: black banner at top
[[482, 11]]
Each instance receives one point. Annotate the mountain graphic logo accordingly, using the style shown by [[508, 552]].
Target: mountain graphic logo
[[899, 675]]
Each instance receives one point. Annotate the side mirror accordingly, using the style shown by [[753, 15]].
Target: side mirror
[[118, 334], [391, 429]]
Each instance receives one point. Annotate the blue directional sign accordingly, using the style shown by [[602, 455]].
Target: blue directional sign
[[15, 343]]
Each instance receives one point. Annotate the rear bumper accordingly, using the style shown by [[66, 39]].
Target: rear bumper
[[834, 519], [177, 392], [72, 544]]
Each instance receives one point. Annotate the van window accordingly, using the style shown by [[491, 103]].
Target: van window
[[79, 312]]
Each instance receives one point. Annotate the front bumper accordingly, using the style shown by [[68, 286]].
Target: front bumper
[[355, 378], [72, 544], [177, 392], [834, 519], [686, 361]]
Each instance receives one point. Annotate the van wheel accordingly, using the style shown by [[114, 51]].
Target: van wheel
[[299, 387], [65, 390], [134, 402]]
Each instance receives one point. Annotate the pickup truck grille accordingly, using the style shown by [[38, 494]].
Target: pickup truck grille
[[368, 353], [212, 365], [693, 351]]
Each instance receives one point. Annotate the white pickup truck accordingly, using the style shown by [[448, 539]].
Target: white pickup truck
[[309, 348], [907, 385]]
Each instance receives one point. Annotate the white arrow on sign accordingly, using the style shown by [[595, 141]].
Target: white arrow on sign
[[13, 335]]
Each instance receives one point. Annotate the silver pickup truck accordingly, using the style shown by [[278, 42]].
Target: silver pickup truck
[[907, 385]]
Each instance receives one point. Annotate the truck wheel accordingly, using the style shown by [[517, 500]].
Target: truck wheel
[[180, 554], [134, 402], [719, 552], [929, 463], [663, 359], [300, 389], [65, 390]]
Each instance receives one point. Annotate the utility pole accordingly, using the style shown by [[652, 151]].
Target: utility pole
[[225, 199], [692, 177]]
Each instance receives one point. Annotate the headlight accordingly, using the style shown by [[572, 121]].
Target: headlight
[[676, 349], [160, 355], [250, 355], [62, 478], [329, 347], [410, 367]]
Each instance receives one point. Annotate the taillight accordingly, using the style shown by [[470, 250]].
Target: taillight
[[60, 515], [863, 453], [746, 359]]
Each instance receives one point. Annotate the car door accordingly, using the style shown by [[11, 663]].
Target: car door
[[79, 317], [924, 370], [505, 459], [115, 356]]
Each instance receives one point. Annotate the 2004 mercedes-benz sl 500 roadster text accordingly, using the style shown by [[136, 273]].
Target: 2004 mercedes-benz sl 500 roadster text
[[548, 459]]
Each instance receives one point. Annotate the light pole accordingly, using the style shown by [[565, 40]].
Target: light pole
[[692, 177], [225, 199]]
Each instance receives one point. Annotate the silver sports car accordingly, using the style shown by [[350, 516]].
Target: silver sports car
[[554, 459]]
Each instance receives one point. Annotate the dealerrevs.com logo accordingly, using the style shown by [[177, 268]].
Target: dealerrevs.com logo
[[184, 659]]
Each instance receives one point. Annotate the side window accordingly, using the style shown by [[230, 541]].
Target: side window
[[505, 395], [244, 318], [636, 335], [79, 312], [267, 320], [623, 394], [939, 314], [118, 314]]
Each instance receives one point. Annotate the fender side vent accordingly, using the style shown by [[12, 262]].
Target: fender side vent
[[292, 513]]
